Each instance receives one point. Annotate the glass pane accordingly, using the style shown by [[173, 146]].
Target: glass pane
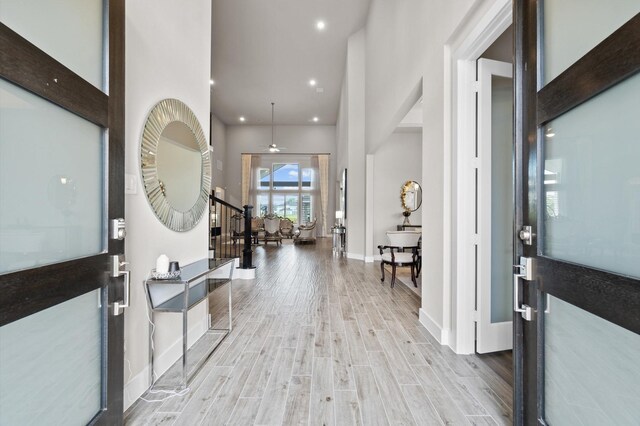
[[307, 208], [264, 178], [592, 182], [277, 206], [569, 30], [591, 369], [501, 199], [262, 205], [285, 176], [51, 182], [50, 365], [291, 208], [307, 178], [70, 31]]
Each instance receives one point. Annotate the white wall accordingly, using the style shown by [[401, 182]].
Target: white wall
[[219, 144], [155, 70], [405, 57], [246, 139], [398, 160]]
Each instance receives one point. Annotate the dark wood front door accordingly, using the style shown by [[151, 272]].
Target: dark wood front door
[[61, 183], [577, 97]]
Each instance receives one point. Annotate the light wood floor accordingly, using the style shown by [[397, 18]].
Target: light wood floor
[[318, 340]]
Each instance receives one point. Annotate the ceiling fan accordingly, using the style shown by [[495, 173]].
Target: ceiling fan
[[272, 147]]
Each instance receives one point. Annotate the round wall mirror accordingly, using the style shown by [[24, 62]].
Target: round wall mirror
[[176, 167], [411, 196]]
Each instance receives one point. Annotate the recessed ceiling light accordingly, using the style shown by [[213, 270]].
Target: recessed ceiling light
[[242, 119], [320, 25], [312, 82], [315, 119], [211, 82]]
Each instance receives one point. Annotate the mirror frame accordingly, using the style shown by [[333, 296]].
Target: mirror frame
[[404, 191], [164, 113]]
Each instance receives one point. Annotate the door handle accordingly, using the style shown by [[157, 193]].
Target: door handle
[[116, 264], [524, 272]]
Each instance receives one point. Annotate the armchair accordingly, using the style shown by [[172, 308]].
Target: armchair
[[257, 225], [286, 228], [306, 233], [272, 229], [399, 241]]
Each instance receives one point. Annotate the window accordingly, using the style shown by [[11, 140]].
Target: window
[[286, 205], [307, 178], [307, 208], [264, 178], [262, 204], [285, 189], [286, 176]]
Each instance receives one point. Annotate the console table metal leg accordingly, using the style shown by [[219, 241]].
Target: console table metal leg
[[184, 337], [230, 298], [151, 325]]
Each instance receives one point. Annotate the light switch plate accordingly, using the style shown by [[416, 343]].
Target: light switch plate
[[130, 184], [219, 165]]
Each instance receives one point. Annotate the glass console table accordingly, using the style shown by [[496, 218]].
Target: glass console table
[[193, 286]]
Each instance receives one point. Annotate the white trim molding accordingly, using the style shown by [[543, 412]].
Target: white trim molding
[[439, 333], [484, 23]]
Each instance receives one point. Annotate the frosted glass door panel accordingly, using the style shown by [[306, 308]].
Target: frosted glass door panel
[[591, 369], [50, 365], [574, 27], [501, 199], [51, 182], [592, 182], [70, 31]]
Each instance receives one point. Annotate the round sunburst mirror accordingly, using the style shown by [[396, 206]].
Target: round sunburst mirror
[[176, 165]]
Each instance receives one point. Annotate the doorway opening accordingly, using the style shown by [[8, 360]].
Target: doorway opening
[[482, 109]]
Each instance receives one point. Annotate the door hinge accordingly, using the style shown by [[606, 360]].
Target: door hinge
[[475, 316], [526, 235], [475, 86], [525, 272]]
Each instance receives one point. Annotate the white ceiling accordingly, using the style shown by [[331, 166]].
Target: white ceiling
[[264, 51]]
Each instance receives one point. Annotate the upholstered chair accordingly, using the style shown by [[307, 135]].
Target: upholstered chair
[[306, 233], [272, 229], [257, 226], [402, 250], [286, 228]]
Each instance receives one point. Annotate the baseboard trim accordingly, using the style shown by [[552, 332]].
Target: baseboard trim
[[355, 256], [139, 384], [440, 334], [136, 387], [369, 259]]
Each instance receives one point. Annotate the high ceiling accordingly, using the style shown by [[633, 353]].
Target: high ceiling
[[266, 51]]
